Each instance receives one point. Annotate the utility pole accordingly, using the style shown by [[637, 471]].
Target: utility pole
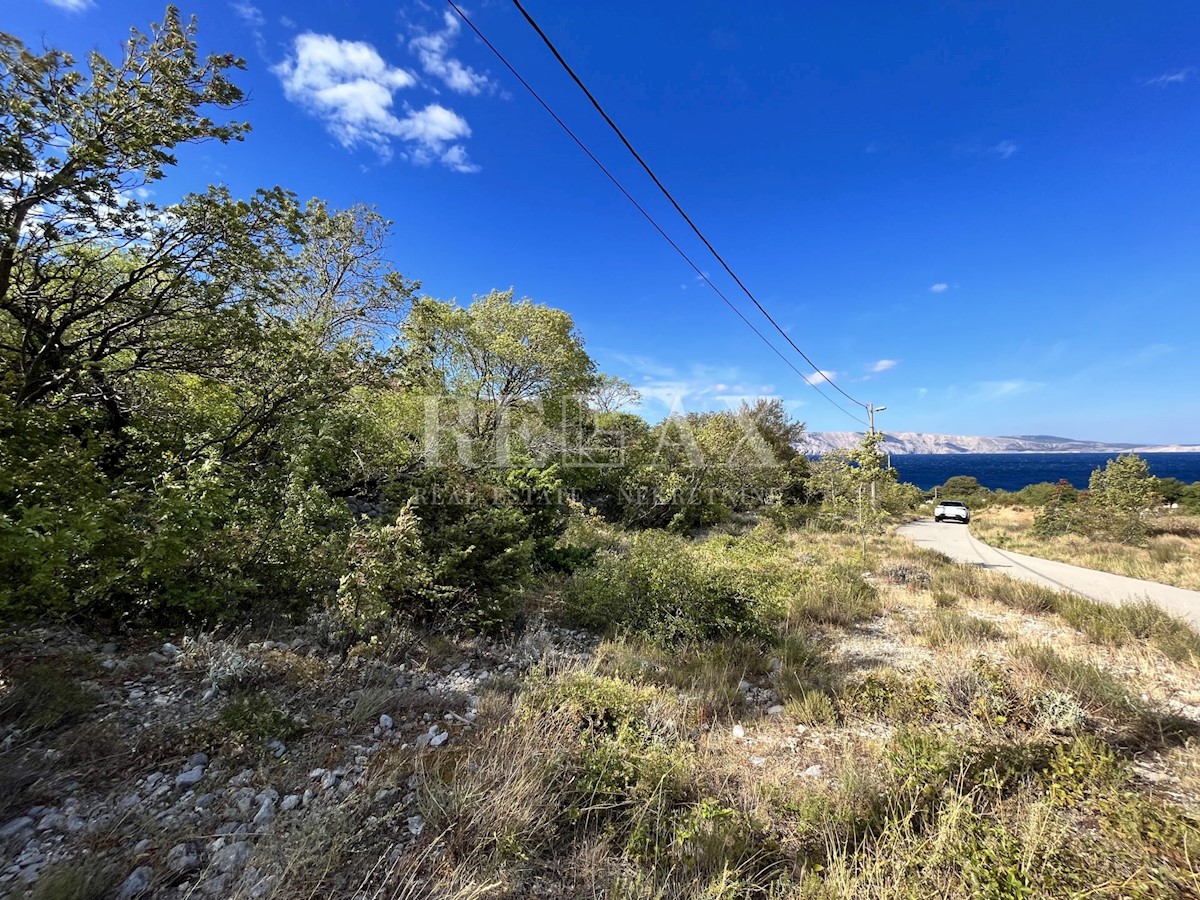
[[871, 410]]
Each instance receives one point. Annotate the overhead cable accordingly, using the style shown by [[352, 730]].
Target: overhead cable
[[699, 272]]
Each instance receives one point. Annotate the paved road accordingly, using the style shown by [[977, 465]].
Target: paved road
[[957, 542]]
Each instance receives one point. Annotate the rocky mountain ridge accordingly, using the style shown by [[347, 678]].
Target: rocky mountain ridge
[[915, 442]]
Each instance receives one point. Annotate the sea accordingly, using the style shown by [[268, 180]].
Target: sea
[[1013, 471]]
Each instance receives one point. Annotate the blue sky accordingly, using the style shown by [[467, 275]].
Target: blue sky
[[983, 215]]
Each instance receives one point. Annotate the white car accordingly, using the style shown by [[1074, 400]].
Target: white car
[[952, 509]]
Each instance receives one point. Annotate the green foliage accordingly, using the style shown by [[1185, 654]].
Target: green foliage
[[1060, 512], [515, 365], [1113, 509], [811, 708], [594, 704], [712, 839], [257, 718], [858, 489], [668, 591], [1082, 769], [1037, 495], [890, 695], [694, 470], [962, 487]]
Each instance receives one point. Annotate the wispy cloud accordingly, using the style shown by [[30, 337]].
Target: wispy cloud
[[940, 287], [253, 19], [996, 390], [1167, 78], [821, 375], [350, 88], [250, 14], [1004, 149], [433, 50], [73, 6], [883, 365], [665, 389]]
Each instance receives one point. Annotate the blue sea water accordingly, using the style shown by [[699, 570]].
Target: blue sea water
[[1013, 471]]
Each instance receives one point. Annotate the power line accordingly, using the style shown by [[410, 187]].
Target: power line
[[628, 146], [699, 272]]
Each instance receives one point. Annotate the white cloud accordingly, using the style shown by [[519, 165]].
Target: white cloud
[[940, 287], [250, 14], [350, 87], [72, 5], [883, 365], [1004, 149], [1170, 77], [433, 49], [821, 375]]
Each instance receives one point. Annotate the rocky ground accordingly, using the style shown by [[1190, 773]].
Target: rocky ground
[[240, 765], [178, 769]]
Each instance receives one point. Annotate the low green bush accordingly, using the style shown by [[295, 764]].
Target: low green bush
[[892, 696], [668, 591]]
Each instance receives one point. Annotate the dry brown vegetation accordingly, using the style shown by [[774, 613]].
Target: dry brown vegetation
[[908, 726], [1171, 554]]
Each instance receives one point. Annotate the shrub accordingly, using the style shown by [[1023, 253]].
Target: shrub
[[661, 588], [810, 707], [984, 693], [596, 704], [257, 718], [1058, 711], [944, 600], [891, 696], [1082, 768]]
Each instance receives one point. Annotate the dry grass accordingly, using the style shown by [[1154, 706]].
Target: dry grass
[[944, 731], [1002, 769], [1171, 555]]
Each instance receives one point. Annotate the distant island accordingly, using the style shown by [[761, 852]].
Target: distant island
[[899, 442]]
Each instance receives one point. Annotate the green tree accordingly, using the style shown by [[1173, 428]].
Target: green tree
[[513, 363], [610, 394], [337, 280], [1169, 490], [1061, 510], [86, 268], [962, 487], [1120, 494]]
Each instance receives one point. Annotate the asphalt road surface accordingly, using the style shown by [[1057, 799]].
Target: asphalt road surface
[[957, 542]]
